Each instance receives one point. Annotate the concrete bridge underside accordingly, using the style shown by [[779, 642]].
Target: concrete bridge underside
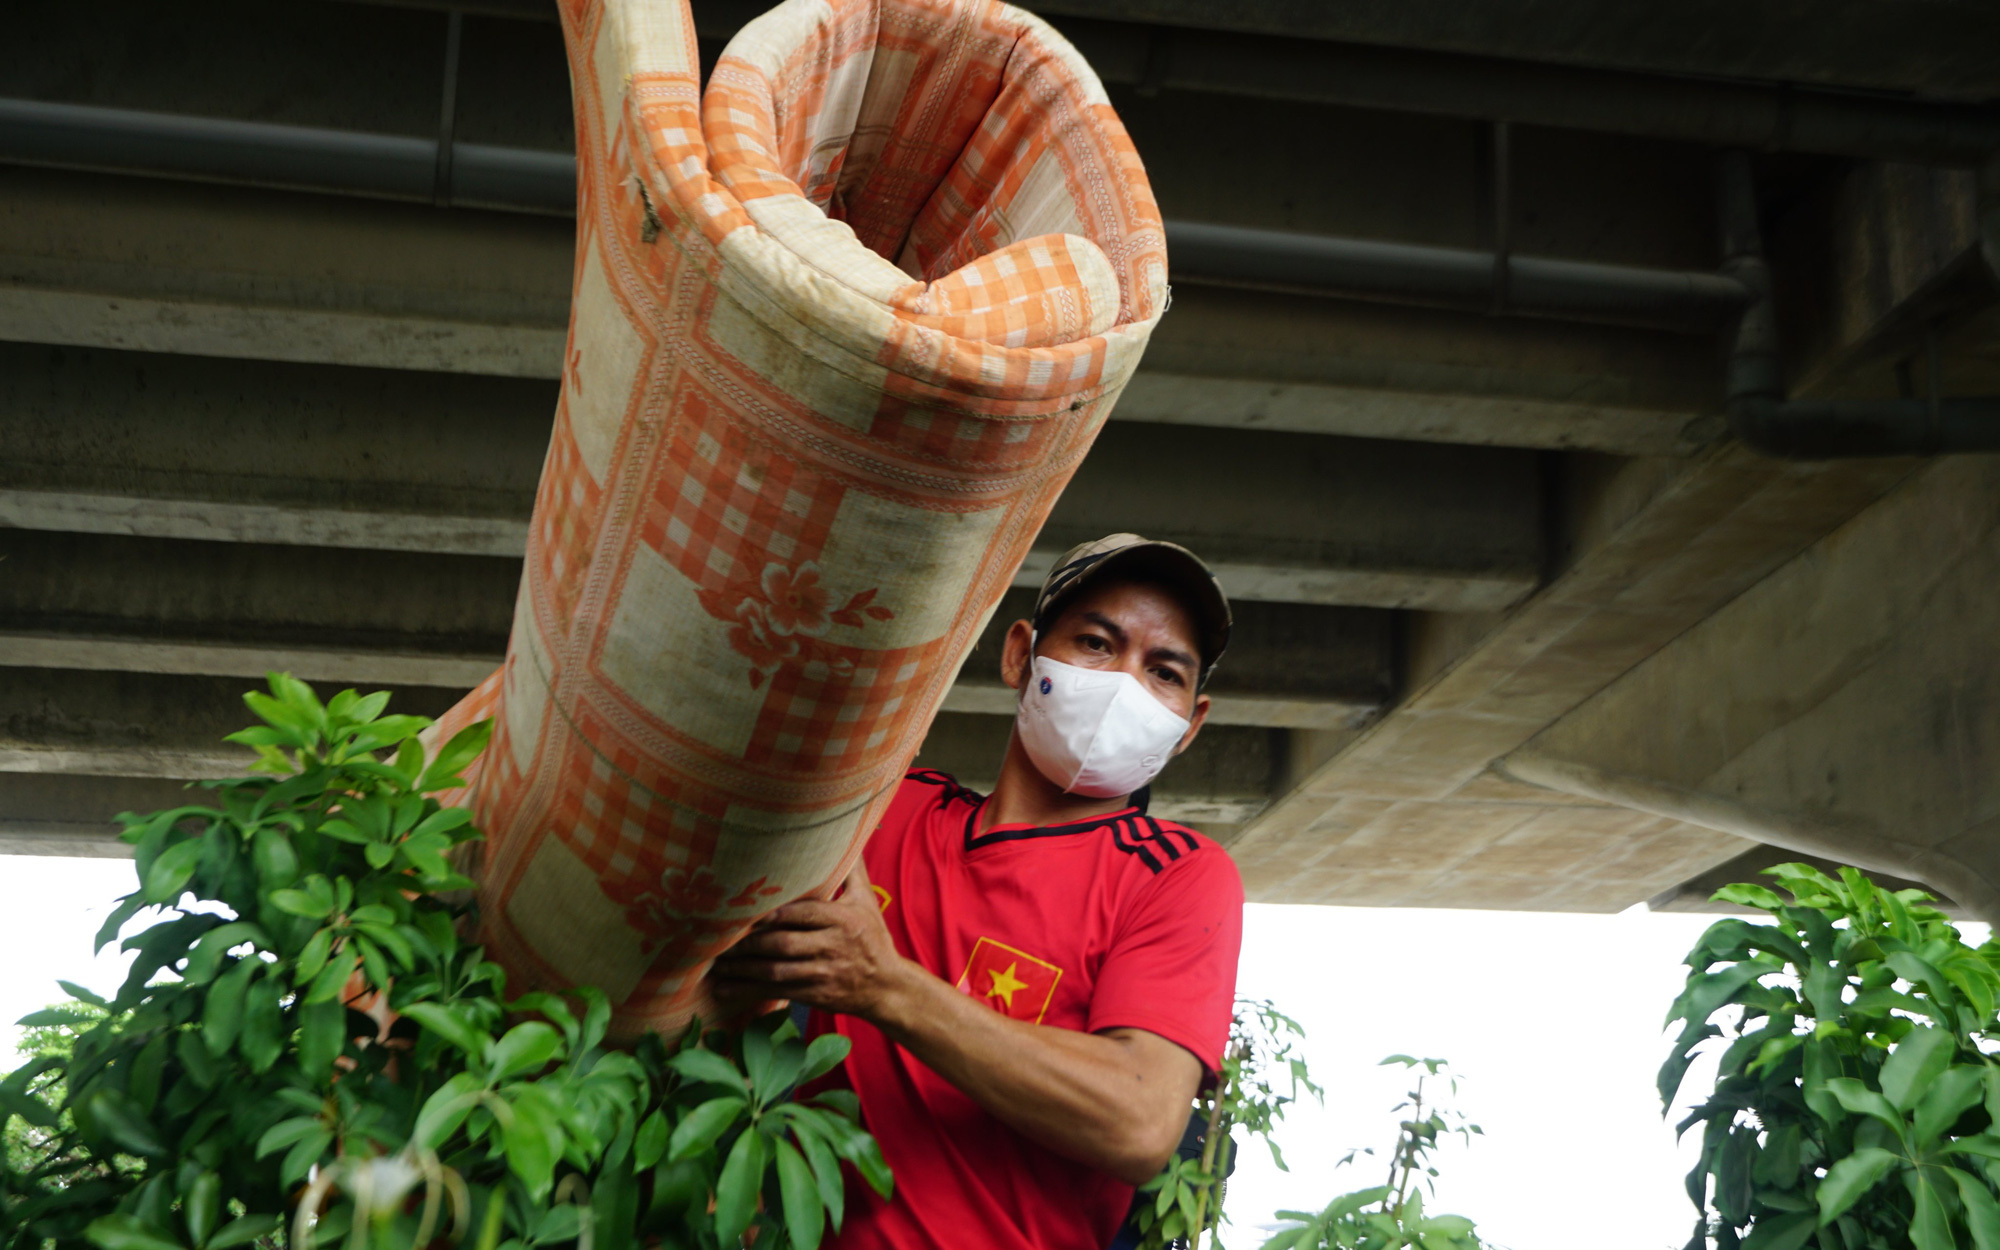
[[1520, 624]]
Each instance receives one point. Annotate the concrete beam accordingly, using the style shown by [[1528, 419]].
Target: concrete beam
[[1897, 45], [1697, 893], [94, 261], [1307, 519], [141, 605], [219, 271], [138, 444], [51, 814], [137, 735], [1841, 707], [1410, 813], [1874, 266]]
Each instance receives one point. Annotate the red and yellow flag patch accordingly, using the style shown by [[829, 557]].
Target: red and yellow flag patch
[[1012, 982]]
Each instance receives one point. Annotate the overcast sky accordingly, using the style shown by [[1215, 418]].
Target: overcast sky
[[1553, 1022]]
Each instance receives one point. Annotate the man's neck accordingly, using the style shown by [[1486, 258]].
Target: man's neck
[[1023, 796]]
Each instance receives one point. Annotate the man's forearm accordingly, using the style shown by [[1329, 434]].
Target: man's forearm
[[1115, 1103]]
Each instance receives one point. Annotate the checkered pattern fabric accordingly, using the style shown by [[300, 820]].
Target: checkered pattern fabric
[[841, 331]]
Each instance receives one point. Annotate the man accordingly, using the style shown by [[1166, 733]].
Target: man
[[1035, 982]]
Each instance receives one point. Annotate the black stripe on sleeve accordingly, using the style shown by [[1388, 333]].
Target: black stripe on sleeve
[[1126, 839]]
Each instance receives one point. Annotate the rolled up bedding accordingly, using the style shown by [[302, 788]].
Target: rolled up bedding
[[841, 330]]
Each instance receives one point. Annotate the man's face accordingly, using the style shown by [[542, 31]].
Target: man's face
[[1135, 628]]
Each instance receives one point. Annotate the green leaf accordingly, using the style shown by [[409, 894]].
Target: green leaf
[[861, 1150], [222, 1013], [53, 1017], [814, 1140], [244, 1230], [1849, 1178], [331, 981], [805, 1217], [446, 1023], [302, 903], [1949, 1096], [562, 1222], [555, 1009], [170, 872], [710, 1068], [195, 1059], [200, 1205], [276, 862], [386, 937], [532, 1138], [206, 957], [445, 1110], [757, 1062], [372, 962], [261, 1044], [596, 1017], [1984, 1145], [1982, 1214], [1781, 1232], [651, 1142], [736, 1189], [1861, 1100], [524, 1048], [700, 1127], [1918, 1059], [286, 1133], [128, 1232], [144, 1082], [81, 994], [1707, 993], [307, 1151], [826, 1053], [122, 1121], [1746, 895], [312, 959], [1931, 1229], [322, 1036], [454, 756]]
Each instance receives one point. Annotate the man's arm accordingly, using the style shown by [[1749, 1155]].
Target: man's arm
[[1116, 1101]]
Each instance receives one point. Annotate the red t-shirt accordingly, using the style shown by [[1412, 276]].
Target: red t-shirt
[[1118, 920]]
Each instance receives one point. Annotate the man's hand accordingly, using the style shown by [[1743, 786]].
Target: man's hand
[[835, 956], [1116, 1100]]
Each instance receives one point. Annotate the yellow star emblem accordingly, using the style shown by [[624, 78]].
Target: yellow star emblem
[[1005, 983]]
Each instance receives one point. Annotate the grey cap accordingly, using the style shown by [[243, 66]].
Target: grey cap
[[1129, 555]]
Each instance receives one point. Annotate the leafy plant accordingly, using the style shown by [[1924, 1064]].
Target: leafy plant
[[1855, 1106], [1392, 1215], [306, 1041], [27, 1140], [1187, 1194]]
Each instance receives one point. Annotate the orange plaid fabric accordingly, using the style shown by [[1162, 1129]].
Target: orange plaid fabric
[[841, 331]]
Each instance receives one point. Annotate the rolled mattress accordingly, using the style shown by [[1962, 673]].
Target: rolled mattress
[[841, 329]]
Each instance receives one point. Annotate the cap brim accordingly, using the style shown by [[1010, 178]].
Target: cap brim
[[1177, 566]]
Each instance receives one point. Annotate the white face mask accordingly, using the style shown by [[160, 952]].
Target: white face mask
[[1092, 733]]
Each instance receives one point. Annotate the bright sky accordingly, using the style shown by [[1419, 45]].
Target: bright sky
[[1552, 1021]]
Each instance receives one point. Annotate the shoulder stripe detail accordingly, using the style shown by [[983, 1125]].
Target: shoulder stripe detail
[[946, 782], [1169, 836], [1126, 839], [1089, 824]]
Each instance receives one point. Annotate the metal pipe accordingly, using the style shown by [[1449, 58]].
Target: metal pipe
[[1694, 301], [479, 175], [1826, 429], [1760, 117], [75, 136]]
